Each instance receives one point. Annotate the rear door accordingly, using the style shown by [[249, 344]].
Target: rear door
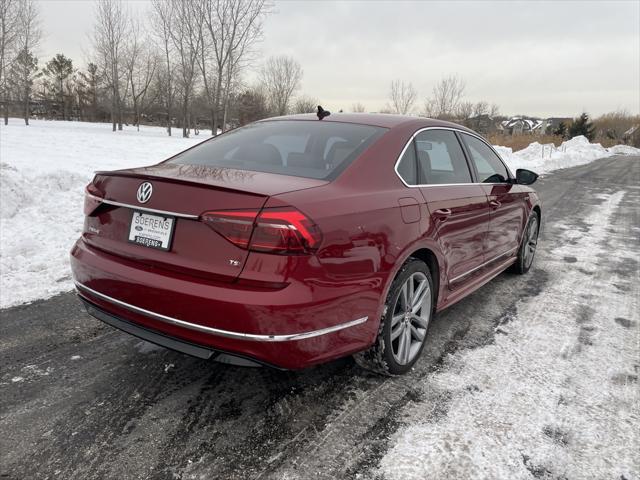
[[458, 208], [508, 208]]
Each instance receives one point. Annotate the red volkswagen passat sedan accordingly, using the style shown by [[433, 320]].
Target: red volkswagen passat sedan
[[294, 241]]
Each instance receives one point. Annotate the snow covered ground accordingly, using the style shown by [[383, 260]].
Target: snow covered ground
[[43, 171], [556, 394], [44, 168]]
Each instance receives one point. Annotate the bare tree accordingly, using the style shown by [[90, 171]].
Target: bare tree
[[162, 14], [445, 98], [481, 108], [305, 104], [494, 111], [233, 27], [358, 107], [402, 96], [9, 29], [140, 63], [207, 61], [108, 39], [280, 77], [25, 68], [186, 40], [464, 111]]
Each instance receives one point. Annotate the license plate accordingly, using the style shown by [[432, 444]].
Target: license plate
[[154, 231]]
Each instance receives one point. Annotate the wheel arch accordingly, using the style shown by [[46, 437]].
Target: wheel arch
[[538, 211], [428, 252], [535, 210], [430, 258]]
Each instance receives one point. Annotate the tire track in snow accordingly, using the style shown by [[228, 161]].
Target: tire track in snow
[[540, 409]]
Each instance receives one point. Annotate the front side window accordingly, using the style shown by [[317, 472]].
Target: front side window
[[440, 158], [311, 149], [490, 168]]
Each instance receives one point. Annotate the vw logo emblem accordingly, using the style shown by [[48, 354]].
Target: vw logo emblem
[[144, 192]]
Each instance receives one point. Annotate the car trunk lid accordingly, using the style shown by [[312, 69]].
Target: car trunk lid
[[180, 194]]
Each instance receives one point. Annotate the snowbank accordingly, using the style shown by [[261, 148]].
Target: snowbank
[[44, 168], [43, 171], [547, 158], [624, 150]]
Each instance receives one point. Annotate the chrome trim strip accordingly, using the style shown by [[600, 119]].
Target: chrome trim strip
[[145, 209], [224, 333], [395, 168], [482, 265]]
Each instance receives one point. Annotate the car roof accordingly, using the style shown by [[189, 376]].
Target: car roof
[[384, 120]]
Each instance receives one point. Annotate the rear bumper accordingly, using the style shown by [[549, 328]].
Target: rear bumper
[[163, 340], [146, 334], [289, 328]]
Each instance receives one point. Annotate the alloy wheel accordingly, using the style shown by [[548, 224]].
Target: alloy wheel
[[531, 242], [411, 314]]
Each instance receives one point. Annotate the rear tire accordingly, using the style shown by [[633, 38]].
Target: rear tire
[[528, 246], [405, 322]]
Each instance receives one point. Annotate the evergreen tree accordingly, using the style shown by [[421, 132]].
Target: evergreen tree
[[252, 106], [91, 80], [582, 126], [43, 94], [24, 71], [561, 131], [59, 68]]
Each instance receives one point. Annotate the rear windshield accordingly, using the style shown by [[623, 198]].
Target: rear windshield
[[312, 149]]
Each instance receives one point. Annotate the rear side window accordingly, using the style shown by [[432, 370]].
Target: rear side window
[[407, 166], [440, 158], [311, 149], [490, 168]]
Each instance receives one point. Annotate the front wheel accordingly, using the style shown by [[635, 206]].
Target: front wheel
[[528, 246], [405, 322]]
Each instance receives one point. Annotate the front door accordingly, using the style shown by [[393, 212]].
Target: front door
[[459, 208], [508, 208]]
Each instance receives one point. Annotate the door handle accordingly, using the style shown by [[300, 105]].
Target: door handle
[[495, 204], [442, 213]]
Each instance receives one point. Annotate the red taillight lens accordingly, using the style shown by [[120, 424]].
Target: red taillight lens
[[235, 226], [285, 230], [274, 230], [92, 199]]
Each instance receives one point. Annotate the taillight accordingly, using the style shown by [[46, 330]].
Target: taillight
[[285, 230], [92, 199], [235, 225], [275, 230]]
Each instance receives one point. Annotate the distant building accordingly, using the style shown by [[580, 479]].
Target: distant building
[[521, 126], [632, 136]]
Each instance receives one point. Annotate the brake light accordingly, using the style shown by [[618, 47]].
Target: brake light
[[285, 230], [274, 230], [92, 199], [234, 225]]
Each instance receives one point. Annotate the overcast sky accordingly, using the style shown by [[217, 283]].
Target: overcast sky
[[536, 58]]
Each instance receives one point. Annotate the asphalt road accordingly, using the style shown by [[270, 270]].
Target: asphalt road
[[80, 400]]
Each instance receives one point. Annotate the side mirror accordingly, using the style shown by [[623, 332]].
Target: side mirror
[[525, 177]]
